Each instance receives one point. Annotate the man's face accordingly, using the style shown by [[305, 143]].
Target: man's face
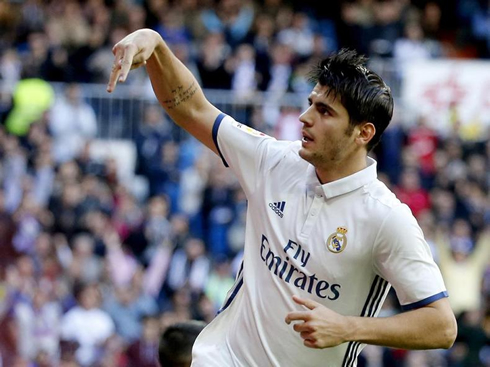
[[328, 139]]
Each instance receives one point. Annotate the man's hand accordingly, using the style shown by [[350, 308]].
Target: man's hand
[[321, 327], [131, 53]]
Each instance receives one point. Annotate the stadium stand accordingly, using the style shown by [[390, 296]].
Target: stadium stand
[[108, 210]]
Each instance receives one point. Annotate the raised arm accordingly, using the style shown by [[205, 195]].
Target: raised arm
[[174, 85]]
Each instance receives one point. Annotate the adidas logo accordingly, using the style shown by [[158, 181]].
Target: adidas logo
[[278, 208]]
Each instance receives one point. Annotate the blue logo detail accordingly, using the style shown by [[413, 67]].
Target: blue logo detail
[[336, 244], [278, 208]]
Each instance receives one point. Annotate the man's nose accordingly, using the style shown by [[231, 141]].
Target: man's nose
[[305, 117]]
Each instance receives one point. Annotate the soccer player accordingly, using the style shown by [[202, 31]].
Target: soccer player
[[325, 239], [175, 346]]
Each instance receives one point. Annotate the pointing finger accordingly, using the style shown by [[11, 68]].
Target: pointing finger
[[308, 303], [129, 52], [116, 69]]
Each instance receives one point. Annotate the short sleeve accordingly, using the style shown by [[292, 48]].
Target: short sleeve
[[403, 257], [246, 151]]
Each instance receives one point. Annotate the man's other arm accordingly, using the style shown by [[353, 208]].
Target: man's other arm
[[174, 85], [430, 327]]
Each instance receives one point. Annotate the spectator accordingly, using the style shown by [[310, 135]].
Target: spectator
[[423, 141], [244, 81], [72, 123], [262, 34], [14, 161], [193, 184], [28, 226], [280, 69], [414, 46], [85, 266], [410, 192], [69, 26], [474, 338], [431, 20], [299, 37], [189, 267], [10, 68], [178, 309], [87, 325], [150, 136], [127, 306], [172, 27], [214, 70], [31, 98], [462, 267], [358, 21], [127, 216], [231, 17], [217, 213], [219, 283], [68, 205], [157, 228], [144, 351], [164, 175], [286, 127], [121, 262], [38, 326]]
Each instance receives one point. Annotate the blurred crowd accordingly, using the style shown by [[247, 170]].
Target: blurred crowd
[[92, 271], [233, 43]]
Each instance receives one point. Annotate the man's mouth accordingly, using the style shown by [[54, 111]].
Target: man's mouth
[[306, 137]]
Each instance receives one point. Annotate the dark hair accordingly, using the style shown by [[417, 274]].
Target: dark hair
[[362, 92], [175, 347]]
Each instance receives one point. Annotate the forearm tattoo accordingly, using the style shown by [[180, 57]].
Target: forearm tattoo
[[180, 95]]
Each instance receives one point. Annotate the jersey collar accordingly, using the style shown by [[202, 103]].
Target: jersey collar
[[345, 184]]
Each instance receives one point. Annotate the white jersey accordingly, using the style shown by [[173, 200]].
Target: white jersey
[[342, 244]]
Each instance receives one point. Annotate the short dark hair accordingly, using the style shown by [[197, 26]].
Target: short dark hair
[[362, 92], [175, 347]]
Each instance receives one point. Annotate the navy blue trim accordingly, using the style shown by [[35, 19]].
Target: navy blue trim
[[372, 308], [371, 292], [217, 122], [240, 271], [372, 304], [232, 297], [378, 305], [352, 345], [425, 301]]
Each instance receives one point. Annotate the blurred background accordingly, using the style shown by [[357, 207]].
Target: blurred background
[[114, 223]]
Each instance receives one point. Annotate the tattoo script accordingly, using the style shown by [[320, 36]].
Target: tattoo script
[[180, 95]]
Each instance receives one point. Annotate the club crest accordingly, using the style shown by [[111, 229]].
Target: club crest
[[337, 241]]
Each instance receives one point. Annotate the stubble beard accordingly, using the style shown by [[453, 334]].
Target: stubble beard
[[331, 155], [327, 159]]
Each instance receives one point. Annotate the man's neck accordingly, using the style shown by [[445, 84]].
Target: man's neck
[[341, 170]]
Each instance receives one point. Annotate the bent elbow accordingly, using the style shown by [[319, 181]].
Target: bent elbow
[[449, 334]]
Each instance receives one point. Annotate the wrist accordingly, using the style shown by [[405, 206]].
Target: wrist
[[352, 327], [156, 39]]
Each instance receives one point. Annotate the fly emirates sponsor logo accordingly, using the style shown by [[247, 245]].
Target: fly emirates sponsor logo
[[282, 266]]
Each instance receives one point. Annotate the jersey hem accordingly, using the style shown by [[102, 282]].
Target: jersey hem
[[425, 301], [216, 125]]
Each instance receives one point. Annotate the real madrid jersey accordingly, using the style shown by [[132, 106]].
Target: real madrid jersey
[[342, 244]]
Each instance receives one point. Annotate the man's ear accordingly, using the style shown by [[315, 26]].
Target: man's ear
[[365, 133]]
